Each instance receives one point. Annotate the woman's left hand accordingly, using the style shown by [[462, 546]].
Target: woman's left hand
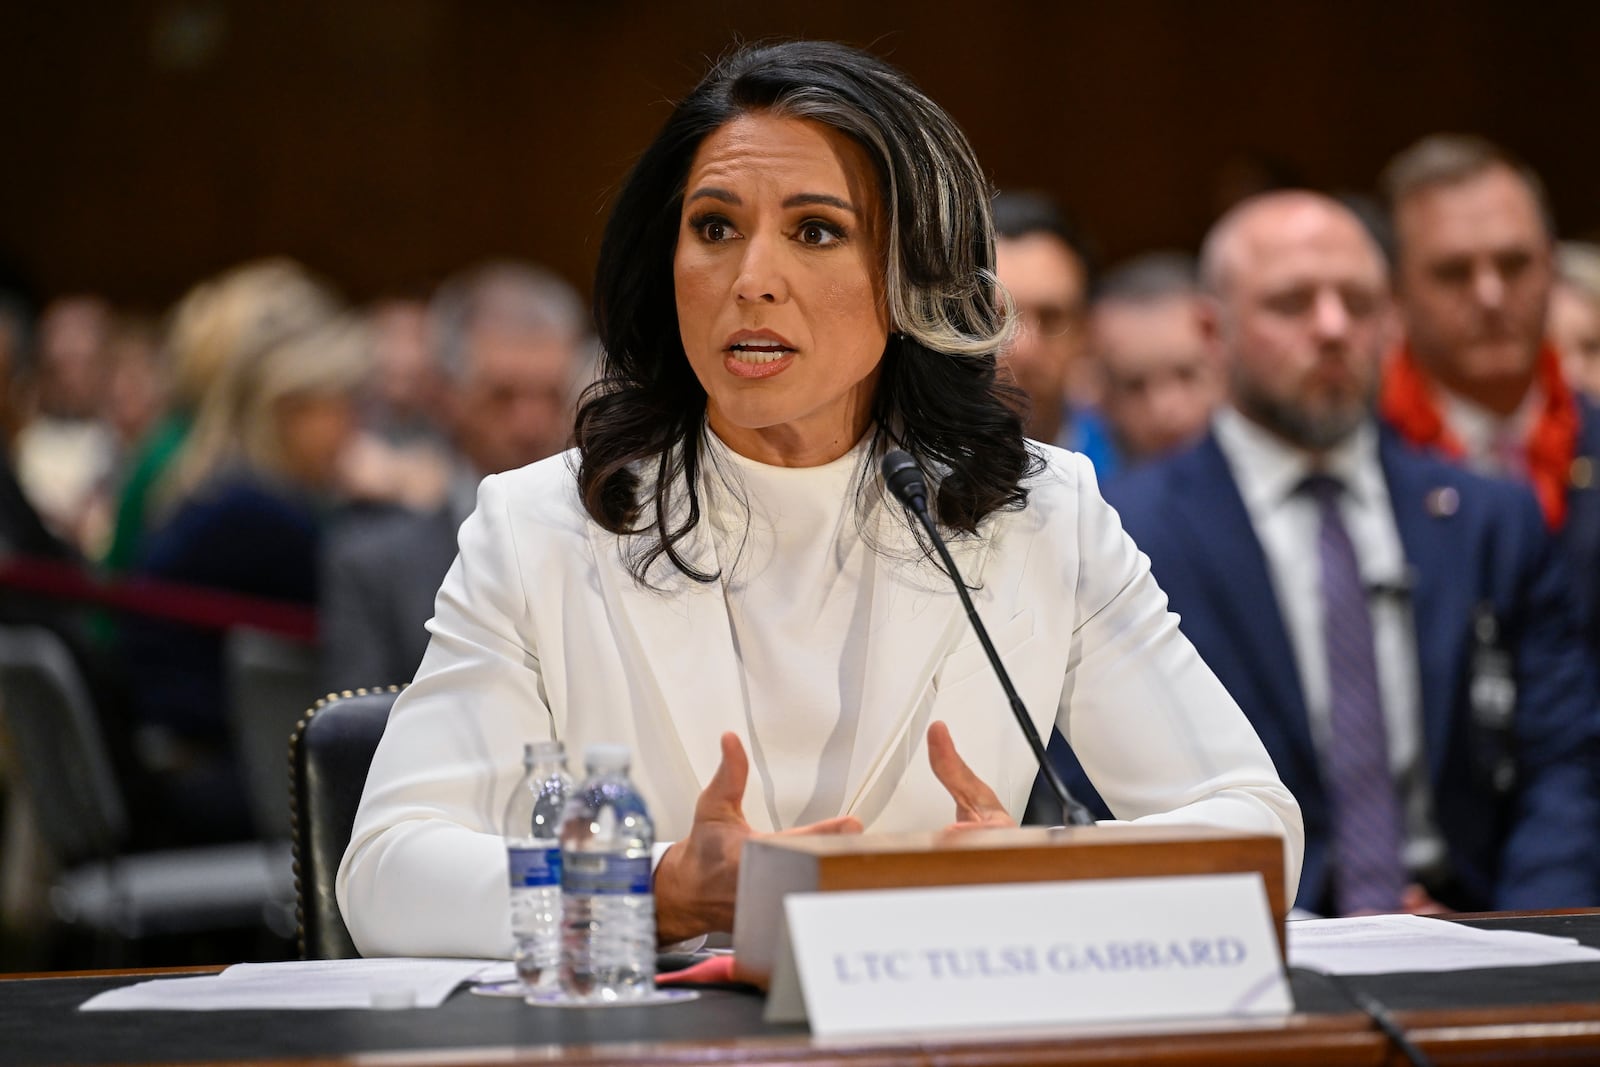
[[977, 807]]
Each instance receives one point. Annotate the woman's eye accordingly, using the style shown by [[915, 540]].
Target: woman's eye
[[818, 233], [712, 228]]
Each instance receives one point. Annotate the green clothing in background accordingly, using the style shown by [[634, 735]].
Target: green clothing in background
[[150, 465]]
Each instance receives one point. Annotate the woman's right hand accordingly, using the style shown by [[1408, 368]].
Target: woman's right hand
[[698, 878]]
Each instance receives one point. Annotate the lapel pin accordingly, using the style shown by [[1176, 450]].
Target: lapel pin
[[1442, 502], [1581, 474]]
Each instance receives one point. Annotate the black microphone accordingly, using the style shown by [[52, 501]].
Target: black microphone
[[904, 479]]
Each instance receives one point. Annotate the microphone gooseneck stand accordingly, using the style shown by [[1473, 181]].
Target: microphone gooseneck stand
[[904, 479]]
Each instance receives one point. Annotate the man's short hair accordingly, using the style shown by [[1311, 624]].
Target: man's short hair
[[1450, 159], [1027, 212], [515, 296], [1148, 278]]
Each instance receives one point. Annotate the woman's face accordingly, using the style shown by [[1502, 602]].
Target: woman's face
[[315, 428], [779, 281]]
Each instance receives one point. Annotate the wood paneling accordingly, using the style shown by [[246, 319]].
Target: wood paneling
[[386, 142]]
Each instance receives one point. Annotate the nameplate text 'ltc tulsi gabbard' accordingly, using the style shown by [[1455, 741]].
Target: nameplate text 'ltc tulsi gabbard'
[[1105, 950]]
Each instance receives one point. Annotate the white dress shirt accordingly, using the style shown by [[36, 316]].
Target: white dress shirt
[[1496, 445], [1268, 472]]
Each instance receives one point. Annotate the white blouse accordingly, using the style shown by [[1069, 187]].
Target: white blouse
[[798, 582]]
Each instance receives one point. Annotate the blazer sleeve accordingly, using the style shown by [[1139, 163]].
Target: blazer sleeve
[[1150, 723], [425, 871], [1551, 855]]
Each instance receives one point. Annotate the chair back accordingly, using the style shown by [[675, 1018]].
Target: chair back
[[330, 753], [270, 681], [56, 748]]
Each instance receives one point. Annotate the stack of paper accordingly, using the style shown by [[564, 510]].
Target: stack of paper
[[385, 983], [1389, 944]]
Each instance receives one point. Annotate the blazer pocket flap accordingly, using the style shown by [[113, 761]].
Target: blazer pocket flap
[[968, 658]]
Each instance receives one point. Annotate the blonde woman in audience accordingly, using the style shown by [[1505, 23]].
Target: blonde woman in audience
[[245, 512], [220, 319]]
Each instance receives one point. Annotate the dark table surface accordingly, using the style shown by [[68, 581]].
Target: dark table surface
[[40, 1023]]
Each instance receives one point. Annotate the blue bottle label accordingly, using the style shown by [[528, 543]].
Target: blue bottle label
[[600, 874], [533, 867]]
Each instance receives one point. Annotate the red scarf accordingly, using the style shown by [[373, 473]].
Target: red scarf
[[1407, 403]]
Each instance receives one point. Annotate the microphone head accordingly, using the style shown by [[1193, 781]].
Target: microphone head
[[904, 479]]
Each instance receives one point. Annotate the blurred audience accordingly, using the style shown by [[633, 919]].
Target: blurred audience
[[1044, 266], [1575, 315], [403, 453], [403, 403], [135, 388], [64, 451], [221, 319], [1160, 382], [16, 401], [26, 544], [508, 345], [1476, 377], [242, 510], [1399, 630]]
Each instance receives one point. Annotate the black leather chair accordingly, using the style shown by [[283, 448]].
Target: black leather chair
[[58, 760], [330, 753]]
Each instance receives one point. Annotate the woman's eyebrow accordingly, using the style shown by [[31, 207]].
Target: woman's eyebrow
[[712, 192], [805, 199]]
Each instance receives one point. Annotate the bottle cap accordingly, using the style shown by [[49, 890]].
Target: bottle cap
[[540, 751], [606, 755]]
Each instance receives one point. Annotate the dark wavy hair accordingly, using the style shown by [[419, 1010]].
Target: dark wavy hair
[[937, 397]]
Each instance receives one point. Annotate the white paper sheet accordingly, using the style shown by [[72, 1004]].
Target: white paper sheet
[[1390, 944], [312, 984]]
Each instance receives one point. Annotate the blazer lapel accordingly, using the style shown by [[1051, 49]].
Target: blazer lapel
[[1240, 588], [1443, 576], [678, 644]]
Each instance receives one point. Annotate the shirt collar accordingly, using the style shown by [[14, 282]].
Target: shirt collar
[[1269, 469], [1480, 430]]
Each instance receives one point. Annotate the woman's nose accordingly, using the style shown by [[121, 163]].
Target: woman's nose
[[761, 278]]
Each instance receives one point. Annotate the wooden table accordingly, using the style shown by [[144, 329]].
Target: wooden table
[[1513, 1016]]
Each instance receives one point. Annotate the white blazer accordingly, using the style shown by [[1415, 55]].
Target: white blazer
[[540, 630]]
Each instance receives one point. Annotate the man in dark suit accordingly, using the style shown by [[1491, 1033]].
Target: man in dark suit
[[1476, 377], [1399, 630], [508, 339]]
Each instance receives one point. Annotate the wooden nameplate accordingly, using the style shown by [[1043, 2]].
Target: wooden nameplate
[[774, 866]]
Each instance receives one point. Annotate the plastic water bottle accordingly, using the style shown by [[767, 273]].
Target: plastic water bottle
[[608, 927], [533, 852]]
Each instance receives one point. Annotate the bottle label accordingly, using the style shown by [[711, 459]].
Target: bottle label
[[531, 867], [599, 874]]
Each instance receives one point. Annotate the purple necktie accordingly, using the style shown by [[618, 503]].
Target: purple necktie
[[1368, 873]]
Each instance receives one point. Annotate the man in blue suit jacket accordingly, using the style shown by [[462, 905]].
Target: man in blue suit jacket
[[1491, 703]]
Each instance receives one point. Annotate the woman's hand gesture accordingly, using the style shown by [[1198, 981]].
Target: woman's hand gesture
[[977, 807], [698, 877]]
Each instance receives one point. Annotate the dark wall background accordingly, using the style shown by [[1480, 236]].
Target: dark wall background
[[147, 143]]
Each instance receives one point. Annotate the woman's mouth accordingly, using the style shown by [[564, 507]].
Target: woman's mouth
[[758, 351], [757, 358]]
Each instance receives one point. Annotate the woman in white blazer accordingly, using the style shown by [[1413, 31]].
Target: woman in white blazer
[[796, 278]]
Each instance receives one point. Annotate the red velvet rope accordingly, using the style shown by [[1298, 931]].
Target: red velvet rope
[[211, 609]]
